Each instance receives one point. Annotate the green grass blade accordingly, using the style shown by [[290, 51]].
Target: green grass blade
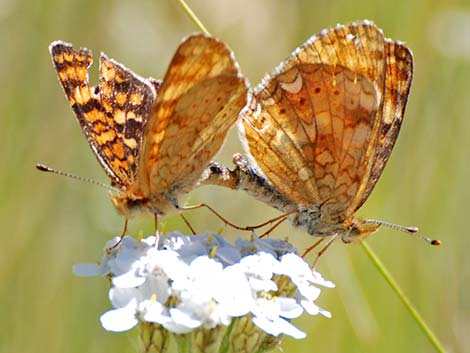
[[404, 299], [193, 17]]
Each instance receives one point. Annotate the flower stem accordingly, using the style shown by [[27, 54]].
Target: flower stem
[[183, 343], [225, 344], [193, 17], [404, 299]]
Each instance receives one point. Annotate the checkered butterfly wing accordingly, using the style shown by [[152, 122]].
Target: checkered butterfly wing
[[200, 99], [314, 125], [113, 114]]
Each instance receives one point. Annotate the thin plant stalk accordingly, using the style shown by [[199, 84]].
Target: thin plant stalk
[[193, 17], [403, 298]]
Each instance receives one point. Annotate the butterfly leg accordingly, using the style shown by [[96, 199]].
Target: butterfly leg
[[157, 234], [310, 248], [274, 226], [323, 250], [280, 218], [185, 220], [123, 234], [218, 215], [246, 228], [124, 231]]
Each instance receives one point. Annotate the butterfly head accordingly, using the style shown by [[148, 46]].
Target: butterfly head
[[131, 204], [357, 229]]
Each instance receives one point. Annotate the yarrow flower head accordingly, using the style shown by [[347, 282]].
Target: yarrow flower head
[[207, 293]]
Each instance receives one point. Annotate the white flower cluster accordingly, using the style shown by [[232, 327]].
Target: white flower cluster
[[188, 282]]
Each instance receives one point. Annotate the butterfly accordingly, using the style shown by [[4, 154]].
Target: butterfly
[[154, 138], [319, 130]]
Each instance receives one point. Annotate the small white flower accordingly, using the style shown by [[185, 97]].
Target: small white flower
[[259, 271], [278, 326], [120, 319], [233, 293], [87, 270], [204, 281]]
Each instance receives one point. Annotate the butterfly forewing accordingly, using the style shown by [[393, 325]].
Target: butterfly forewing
[[199, 101], [113, 114], [311, 126]]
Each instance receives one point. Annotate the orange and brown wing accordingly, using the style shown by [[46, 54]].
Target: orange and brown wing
[[398, 76], [200, 99], [113, 114], [312, 123]]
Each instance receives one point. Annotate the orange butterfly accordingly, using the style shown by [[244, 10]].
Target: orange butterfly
[[319, 130], [154, 138]]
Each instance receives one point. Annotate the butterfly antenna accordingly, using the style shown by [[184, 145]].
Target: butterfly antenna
[[409, 230], [44, 168]]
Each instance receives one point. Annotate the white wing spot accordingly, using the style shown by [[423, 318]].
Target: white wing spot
[[293, 87]]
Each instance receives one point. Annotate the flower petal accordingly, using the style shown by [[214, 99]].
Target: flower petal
[[118, 320]]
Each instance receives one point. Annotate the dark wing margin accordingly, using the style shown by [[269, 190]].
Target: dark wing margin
[[398, 77], [113, 114]]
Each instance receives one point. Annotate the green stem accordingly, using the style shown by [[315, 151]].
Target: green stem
[[193, 17], [225, 344], [404, 299], [183, 343]]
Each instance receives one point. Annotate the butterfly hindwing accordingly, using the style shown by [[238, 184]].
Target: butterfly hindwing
[[200, 99], [312, 123]]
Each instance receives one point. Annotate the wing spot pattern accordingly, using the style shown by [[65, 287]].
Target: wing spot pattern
[[334, 148]]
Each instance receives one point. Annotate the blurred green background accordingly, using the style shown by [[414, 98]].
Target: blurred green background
[[50, 223]]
